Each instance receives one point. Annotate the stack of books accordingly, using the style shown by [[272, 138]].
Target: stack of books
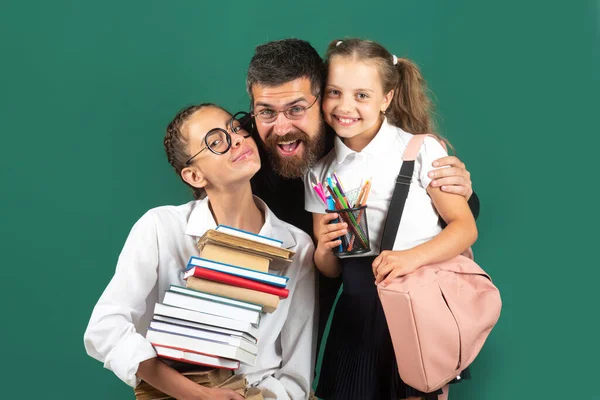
[[214, 320]]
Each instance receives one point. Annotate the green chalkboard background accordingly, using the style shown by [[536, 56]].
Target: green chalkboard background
[[87, 88]]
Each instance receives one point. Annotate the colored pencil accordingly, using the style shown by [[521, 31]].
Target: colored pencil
[[347, 217]]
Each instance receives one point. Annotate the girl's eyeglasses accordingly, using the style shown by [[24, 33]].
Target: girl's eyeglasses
[[218, 140]]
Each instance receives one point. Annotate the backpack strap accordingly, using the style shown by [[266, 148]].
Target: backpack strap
[[413, 147], [392, 222]]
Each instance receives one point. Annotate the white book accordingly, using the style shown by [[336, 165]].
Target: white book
[[196, 358], [158, 338], [211, 307], [217, 298], [248, 235], [205, 327], [263, 277], [237, 341], [208, 319]]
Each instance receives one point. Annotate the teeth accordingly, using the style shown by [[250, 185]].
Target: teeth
[[346, 120], [289, 142]]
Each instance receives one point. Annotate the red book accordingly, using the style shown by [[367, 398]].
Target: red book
[[205, 273]]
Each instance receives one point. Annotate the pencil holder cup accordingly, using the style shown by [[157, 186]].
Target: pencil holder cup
[[356, 241]]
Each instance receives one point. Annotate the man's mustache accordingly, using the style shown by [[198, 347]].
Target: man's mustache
[[273, 140]]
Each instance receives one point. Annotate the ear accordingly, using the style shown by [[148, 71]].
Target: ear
[[194, 176], [387, 99]]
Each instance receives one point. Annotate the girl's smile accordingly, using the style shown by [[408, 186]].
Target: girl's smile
[[345, 121]]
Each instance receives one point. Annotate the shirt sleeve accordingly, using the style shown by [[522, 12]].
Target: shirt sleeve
[[298, 336], [430, 151], [111, 336], [474, 205]]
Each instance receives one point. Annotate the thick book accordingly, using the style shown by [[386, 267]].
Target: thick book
[[196, 358], [159, 338], [269, 302], [207, 305], [205, 327], [213, 236], [237, 341], [249, 235], [233, 280], [270, 279], [214, 377], [202, 318], [237, 257]]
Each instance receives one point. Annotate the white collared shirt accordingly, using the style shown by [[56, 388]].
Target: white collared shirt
[[380, 162], [154, 257]]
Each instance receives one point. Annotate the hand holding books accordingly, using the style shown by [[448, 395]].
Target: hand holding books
[[214, 320]]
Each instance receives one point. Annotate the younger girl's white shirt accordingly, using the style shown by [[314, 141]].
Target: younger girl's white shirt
[[154, 257], [380, 162]]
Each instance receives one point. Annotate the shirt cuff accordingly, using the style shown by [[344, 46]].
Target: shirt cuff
[[272, 389], [126, 357]]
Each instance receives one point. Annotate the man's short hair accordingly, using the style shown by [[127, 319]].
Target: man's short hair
[[281, 61]]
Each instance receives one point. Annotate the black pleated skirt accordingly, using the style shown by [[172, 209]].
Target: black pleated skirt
[[359, 360]]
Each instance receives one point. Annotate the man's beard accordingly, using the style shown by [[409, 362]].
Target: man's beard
[[295, 166]]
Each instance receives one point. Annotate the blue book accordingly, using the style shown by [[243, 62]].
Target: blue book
[[270, 279]]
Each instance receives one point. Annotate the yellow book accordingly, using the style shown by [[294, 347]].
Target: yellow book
[[237, 257], [268, 301], [212, 236]]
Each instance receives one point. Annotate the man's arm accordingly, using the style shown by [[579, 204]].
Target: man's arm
[[454, 178], [474, 205]]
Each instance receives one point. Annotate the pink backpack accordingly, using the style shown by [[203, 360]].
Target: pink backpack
[[439, 316]]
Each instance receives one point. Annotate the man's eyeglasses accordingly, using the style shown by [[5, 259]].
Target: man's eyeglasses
[[218, 140], [294, 112]]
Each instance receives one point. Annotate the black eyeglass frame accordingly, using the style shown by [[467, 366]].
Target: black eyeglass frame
[[248, 120]]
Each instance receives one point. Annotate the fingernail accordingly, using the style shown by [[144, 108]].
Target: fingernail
[[435, 163], [444, 188], [430, 174], [434, 183]]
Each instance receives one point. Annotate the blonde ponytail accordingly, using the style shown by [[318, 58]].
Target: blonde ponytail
[[410, 108]]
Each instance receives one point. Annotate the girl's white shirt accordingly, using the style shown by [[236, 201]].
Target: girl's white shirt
[[380, 162], [154, 257]]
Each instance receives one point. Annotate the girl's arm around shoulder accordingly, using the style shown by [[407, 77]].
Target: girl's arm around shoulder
[[458, 236]]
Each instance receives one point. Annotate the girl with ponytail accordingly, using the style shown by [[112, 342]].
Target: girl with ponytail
[[376, 102]]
